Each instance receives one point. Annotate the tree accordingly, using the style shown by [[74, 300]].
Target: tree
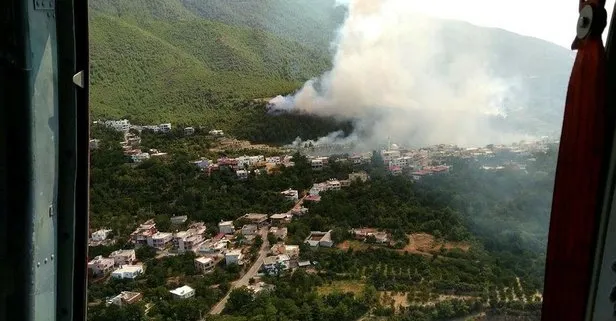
[[239, 299], [339, 235], [144, 253], [115, 313], [163, 222]]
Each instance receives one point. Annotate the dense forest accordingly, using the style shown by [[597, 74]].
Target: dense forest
[[160, 62]]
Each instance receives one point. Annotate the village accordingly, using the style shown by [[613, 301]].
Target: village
[[256, 243], [415, 163], [230, 246]]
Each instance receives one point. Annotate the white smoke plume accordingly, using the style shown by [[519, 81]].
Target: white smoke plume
[[385, 76]]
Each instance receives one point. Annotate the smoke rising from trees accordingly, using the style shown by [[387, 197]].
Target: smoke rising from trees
[[395, 77]]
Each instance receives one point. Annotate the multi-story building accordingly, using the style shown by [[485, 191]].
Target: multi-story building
[[280, 219], [316, 164], [119, 125], [290, 194], [123, 257], [226, 227], [333, 184], [160, 240], [100, 265], [143, 232], [256, 219], [234, 257], [127, 272], [165, 128], [204, 264]]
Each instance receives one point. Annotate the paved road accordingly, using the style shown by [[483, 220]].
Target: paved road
[[217, 309]]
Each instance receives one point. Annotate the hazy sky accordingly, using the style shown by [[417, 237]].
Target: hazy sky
[[525, 17]]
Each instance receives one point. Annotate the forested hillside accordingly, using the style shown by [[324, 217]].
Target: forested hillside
[[155, 61]]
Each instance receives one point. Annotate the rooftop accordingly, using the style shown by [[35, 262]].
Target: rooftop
[[234, 252], [204, 260], [255, 217], [129, 268], [182, 290], [122, 253]]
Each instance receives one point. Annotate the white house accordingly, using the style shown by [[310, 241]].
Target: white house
[[216, 132], [119, 125], [243, 161], [234, 257], [123, 257], [242, 174], [165, 128], [320, 239], [100, 265], [189, 131], [226, 227], [204, 264], [290, 194], [160, 240], [127, 272], [183, 292], [100, 235], [189, 242]]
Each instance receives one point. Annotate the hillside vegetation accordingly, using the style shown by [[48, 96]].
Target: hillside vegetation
[[155, 61]]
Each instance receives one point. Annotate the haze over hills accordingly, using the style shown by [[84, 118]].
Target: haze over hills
[[191, 61]]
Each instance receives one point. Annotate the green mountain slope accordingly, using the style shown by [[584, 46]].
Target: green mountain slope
[[155, 61], [310, 22]]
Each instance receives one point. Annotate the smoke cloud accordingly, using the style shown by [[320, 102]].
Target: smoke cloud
[[393, 75]]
